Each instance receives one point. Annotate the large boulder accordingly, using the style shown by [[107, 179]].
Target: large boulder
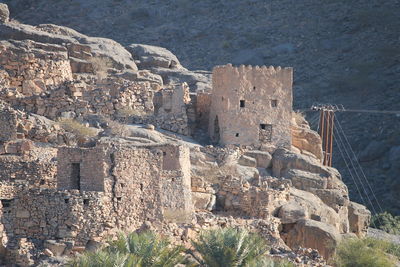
[[107, 50], [150, 56], [263, 158], [313, 234], [359, 218], [307, 140], [4, 13], [316, 209], [292, 212]]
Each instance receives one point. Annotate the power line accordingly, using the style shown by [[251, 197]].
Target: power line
[[358, 164]]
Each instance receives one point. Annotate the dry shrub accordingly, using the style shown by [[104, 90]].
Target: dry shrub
[[77, 128], [101, 65]]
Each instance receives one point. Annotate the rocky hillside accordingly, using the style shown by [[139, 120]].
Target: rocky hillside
[[344, 52]]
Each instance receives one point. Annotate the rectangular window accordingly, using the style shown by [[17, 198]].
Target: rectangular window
[[76, 176], [242, 103], [274, 103], [262, 126]]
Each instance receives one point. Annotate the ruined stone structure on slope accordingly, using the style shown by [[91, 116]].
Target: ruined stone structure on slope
[[251, 105], [100, 190]]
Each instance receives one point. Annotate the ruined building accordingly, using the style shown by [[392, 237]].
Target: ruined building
[[251, 105]]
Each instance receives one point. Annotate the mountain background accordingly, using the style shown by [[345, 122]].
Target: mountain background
[[342, 51]]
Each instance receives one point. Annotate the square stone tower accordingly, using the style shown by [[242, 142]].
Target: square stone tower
[[251, 105]]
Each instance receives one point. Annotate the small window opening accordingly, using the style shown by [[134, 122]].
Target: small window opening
[[6, 203], [254, 88], [263, 126], [142, 200], [164, 153], [42, 182], [242, 103], [122, 185], [141, 187], [119, 198], [76, 175], [274, 103], [237, 134], [86, 202], [173, 179], [66, 200]]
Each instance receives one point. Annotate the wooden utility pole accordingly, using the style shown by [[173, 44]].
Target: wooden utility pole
[[326, 124]]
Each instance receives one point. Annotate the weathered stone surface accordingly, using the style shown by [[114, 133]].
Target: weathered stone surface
[[4, 13], [55, 247], [306, 139], [203, 201], [359, 218], [313, 234], [263, 158], [247, 161], [292, 212], [153, 56]]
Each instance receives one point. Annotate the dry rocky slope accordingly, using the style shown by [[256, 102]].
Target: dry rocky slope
[[344, 52], [67, 98]]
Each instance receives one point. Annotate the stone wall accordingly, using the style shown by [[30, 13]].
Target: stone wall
[[8, 125], [81, 169], [251, 105], [18, 173], [171, 109], [33, 68]]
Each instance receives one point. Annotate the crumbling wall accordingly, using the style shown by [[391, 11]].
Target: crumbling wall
[[171, 106], [114, 97], [51, 214], [176, 196], [251, 105], [8, 125], [34, 67]]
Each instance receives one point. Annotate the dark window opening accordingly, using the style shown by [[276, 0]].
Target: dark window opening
[[237, 134], [254, 88], [42, 182], [173, 179], [66, 200], [6, 203], [86, 202], [274, 103], [164, 153], [142, 200], [122, 185], [262, 126], [141, 187], [76, 176], [242, 103], [119, 198]]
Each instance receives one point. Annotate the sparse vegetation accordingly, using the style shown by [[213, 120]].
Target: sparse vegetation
[[101, 66], [366, 252], [230, 247], [386, 222], [77, 128], [133, 250]]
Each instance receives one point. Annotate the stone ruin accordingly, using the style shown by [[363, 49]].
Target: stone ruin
[[60, 196]]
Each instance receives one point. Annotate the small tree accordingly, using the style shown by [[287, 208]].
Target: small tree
[[133, 250], [363, 253], [229, 247]]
